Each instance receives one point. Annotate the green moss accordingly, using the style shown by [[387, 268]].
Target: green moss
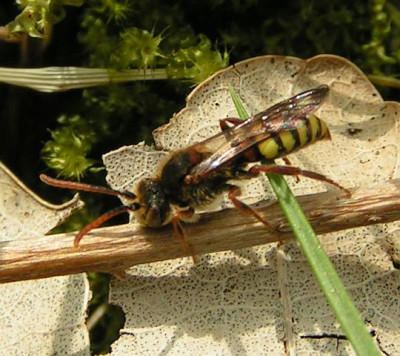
[[36, 15], [122, 35]]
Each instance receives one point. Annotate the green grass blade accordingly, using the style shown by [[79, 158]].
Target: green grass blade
[[55, 79], [329, 281]]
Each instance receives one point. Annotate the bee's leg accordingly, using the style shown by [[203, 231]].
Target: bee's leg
[[287, 162], [100, 221], [233, 193], [223, 123], [180, 232], [295, 171]]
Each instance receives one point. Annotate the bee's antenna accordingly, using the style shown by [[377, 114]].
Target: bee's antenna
[[101, 220], [84, 187]]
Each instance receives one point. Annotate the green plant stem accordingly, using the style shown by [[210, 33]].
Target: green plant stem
[[384, 81], [327, 277], [55, 79]]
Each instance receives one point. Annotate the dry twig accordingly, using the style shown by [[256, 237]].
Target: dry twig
[[116, 248]]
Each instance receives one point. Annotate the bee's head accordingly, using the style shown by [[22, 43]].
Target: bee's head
[[149, 204], [154, 209]]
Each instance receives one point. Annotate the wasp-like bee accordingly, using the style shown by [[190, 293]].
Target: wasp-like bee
[[193, 177]]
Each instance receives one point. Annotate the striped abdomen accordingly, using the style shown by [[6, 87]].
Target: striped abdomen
[[287, 141]]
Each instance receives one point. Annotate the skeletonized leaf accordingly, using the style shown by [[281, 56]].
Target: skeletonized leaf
[[129, 164], [363, 127], [22, 213], [264, 300], [46, 316]]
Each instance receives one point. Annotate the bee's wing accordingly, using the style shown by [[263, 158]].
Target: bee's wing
[[288, 115]]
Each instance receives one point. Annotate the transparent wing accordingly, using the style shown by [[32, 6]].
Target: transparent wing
[[289, 114]]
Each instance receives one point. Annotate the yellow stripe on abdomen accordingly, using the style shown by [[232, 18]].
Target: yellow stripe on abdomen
[[303, 135], [318, 129], [269, 148], [288, 141], [324, 130]]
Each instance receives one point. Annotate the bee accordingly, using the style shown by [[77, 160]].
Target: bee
[[193, 177]]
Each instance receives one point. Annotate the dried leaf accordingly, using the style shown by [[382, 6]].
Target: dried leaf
[[39, 317], [264, 300], [22, 213], [129, 164]]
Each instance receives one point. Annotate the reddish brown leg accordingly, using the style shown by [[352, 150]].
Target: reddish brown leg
[[180, 232], [100, 221], [287, 161], [233, 193], [295, 171]]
